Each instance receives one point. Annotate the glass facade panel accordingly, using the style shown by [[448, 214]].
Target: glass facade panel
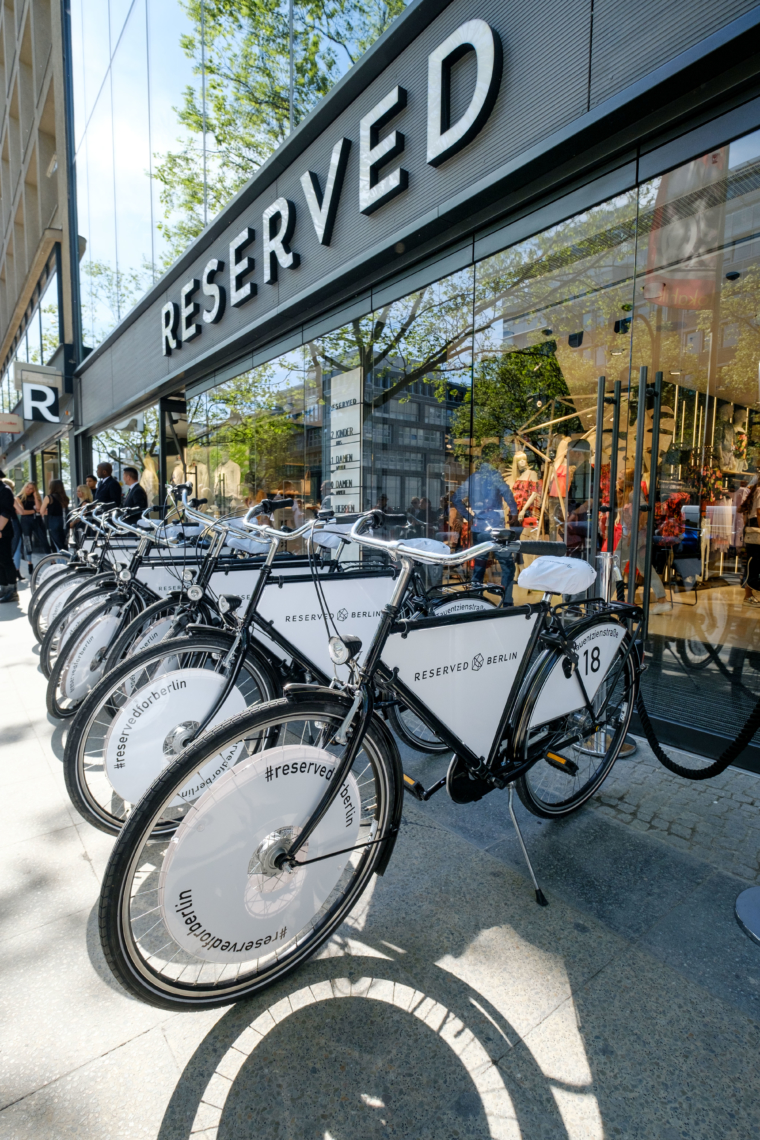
[[551, 314], [132, 159], [133, 442], [98, 267], [697, 320]]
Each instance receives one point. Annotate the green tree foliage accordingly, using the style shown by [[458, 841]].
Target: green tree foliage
[[246, 48]]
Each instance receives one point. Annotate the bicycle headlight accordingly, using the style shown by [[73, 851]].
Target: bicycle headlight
[[228, 603], [124, 575], [194, 593], [344, 649], [188, 575]]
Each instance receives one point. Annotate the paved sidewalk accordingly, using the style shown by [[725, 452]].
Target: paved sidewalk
[[450, 1006]]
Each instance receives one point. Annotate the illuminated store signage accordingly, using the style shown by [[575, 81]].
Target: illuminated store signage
[[227, 279]]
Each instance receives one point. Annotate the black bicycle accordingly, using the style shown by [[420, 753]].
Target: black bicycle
[[211, 895]]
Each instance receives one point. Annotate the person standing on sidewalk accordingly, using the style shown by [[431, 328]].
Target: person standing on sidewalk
[[28, 506], [8, 590], [54, 508]]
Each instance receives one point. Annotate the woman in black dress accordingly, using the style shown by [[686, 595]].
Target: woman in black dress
[[28, 505], [54, 508]]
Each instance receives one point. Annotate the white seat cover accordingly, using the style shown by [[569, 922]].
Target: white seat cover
[[558, 575]]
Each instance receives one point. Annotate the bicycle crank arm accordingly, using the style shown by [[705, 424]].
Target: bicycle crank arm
[[419, 791]]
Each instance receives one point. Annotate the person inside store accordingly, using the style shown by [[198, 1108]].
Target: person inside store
[[481, 500], [8, 575], [28, 508], [750, 508], [54, 508], [135, 498], [108, 489], [624, 534]]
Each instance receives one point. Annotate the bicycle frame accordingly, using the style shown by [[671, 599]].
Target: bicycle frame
[[499, 764]]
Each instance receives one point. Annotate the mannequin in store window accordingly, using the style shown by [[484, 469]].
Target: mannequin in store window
[[725, 437], [525, 485]]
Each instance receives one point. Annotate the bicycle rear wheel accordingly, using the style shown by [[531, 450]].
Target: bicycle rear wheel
[[206, 918], [109, 762], [576, 750]]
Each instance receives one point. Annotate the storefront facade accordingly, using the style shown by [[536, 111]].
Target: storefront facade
[[433, 272]]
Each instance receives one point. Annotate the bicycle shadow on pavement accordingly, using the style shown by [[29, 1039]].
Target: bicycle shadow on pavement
[[450, 1005]]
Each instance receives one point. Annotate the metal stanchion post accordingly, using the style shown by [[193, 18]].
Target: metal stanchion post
[[747, 911]]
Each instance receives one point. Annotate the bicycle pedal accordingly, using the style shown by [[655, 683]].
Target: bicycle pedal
[[569, 767], [414, 788]]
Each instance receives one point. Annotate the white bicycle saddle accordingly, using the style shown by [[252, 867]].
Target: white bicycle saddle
[[557, 575]]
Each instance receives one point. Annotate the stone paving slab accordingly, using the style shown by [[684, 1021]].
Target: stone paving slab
[[449, 1005]]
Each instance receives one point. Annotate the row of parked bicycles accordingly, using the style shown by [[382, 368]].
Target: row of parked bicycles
[[234, 710]]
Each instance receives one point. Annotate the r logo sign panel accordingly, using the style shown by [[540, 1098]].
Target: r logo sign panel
[[41, 403]]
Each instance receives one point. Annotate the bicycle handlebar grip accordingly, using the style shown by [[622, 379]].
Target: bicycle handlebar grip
[[557, 549], [269, 505]]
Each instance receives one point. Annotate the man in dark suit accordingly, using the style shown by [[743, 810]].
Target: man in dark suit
[[135, 499], [108, 489]]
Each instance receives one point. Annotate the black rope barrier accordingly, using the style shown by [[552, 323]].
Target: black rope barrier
[[729, 754]]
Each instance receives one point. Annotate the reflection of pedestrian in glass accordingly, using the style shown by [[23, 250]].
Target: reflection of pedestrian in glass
[[480, 500], [625, 495]]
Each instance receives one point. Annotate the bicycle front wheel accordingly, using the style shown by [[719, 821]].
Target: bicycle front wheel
[[206, 917], [141, 715], [576, 749]]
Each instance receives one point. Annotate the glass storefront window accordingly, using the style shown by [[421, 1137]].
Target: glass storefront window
[[473, 402], [552, 314], [133, 442], [697, 320]]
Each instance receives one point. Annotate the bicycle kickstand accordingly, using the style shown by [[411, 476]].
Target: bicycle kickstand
[[541, 898]]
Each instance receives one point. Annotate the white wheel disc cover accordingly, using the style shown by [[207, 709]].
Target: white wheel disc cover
[[54, 604], [212, 906], [462, 606], [47, 572], [78, 616], [155, 632], [78, 676], [134, 746]]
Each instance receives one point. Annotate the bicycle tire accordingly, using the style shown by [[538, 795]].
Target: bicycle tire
[[127, 643], [174, 979], [45, 593], [406, 724], [696, 654], [52, 605], [95, 625], [39, 575], [548, 789], [63, 625], [84, 762]]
